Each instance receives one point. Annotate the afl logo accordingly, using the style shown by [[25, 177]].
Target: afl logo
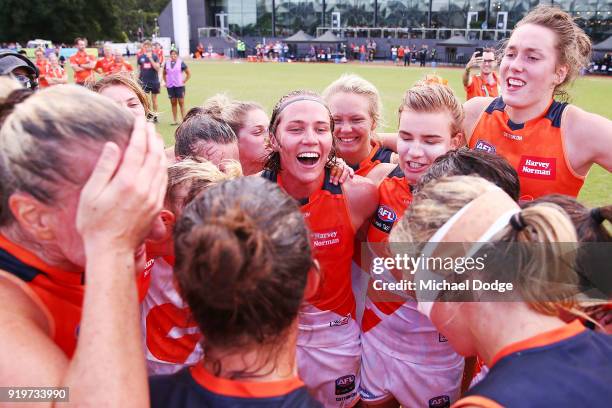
[[386, 214], [484, 146]]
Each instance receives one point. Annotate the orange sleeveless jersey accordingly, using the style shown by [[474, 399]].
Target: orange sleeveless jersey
[[105, 65], [480, 87], [534, 148], [395, 196], [377, 155], [332, 235], [60, 292]]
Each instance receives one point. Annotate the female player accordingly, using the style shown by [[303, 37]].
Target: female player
[[78, 199], [551, 144], [402, 350], [531, 349], [356, 109], [249, 122], [172, 74], [301, 143], [171, 336], [126, 92], [244, 265]]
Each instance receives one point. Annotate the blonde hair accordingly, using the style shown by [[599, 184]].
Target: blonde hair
[[542, 271], [354, 84], [7, 85], [428, 96], [572, 44], [196, 174], [122, 79], [232, 112], [41, 136]]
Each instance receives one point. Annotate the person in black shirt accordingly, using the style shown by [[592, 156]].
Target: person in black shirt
[[149, 77]]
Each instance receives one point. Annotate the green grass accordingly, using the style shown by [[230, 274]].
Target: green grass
[[267, 82]]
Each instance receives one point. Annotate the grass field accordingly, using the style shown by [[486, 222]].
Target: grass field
[[267, 82]]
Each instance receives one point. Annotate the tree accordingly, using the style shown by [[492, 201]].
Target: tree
[[64, 20]]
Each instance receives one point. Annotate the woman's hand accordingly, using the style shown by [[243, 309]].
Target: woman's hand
[[121, 199], [340, 172]]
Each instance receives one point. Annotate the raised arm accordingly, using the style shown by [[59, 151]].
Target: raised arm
[[588, 139]]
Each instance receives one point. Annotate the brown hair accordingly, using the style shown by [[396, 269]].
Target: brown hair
[[242, 262], [589, 225], [41, 135], [427, 96], [229, 111], [122, 79], [199, 126], [572, 44], [590, 229], [544, 271], [464, 161], [273, 162]]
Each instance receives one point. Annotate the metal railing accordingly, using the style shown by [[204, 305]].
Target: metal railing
[[207, 32], [418, 32]]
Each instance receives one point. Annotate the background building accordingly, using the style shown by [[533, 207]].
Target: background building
[[281, 18]]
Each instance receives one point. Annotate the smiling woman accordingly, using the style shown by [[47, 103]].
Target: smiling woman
[[301, 143], [356, 109], [551, 144], [430, 125]]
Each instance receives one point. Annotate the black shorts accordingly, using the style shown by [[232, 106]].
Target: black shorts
[[176, 92], [152, 87]]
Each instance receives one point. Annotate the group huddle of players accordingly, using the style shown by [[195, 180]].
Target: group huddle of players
[[251, 240]]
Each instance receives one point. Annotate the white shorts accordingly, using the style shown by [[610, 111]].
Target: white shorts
[[405, 357], [411, 384], [329, 357]]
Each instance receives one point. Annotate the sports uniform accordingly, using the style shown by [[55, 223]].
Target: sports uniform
[[171, 337], [403, 355], [123, 66], [43, 66], [58, 293], [534, 148], [195, 387], [360, 277], [329, 349], [480, 87], [81, 58], [566, 367], [148, 75], [105, 65], [56, 73], [174, 78], [378, 154]]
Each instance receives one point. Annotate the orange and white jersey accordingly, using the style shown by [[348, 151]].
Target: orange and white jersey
[[534, 148], [171, 337]]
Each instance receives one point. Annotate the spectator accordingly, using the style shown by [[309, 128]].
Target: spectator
[[55, 74], [407, 55], [42, 64], [199, 52], [82, 63], [423, 55], [400, 54], [104, 65], [175, 83], [120, 64], [487, 82], [148, 63], [19, 67]]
